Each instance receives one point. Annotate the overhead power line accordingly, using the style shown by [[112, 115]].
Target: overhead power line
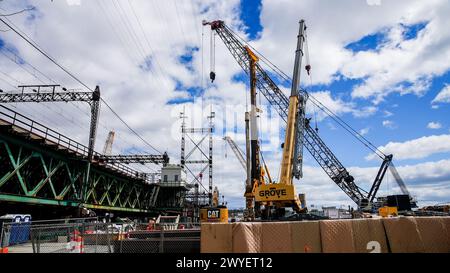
[[14, 13], [34, 45]]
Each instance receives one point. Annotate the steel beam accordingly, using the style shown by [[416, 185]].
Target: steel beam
[[127, 159], [46, 97]]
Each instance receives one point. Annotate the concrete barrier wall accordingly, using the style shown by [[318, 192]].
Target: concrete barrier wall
[[305, 237], [397, 235]]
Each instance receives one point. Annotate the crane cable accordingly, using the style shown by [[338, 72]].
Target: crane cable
[[330, 113], [347, 127], [212, 74], [308, 70], [315, 102]]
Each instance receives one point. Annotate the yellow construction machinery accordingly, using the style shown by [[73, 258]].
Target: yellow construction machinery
[[268, 199], [265, 196], [215, 213], [280, 195], [387, 211]]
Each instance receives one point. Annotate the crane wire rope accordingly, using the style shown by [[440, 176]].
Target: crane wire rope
[[314, 100]]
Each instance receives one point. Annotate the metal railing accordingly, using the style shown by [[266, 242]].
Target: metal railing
[[51, 137]]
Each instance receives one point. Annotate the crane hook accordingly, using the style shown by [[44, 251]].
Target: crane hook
[[308, 69]]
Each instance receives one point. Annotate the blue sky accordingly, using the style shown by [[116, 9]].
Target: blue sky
[[410, 113], [398, 117], [388, 62]]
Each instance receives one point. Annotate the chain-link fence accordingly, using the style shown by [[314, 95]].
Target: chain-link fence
[[97, 237]]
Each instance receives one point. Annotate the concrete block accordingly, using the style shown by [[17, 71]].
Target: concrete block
[[276, 237], [247, 237], [403, 235], [216, 238], [369, 236], [305, 237], [337, 236]]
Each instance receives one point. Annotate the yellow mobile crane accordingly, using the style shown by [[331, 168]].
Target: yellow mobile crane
[[282, 194], [262, 197]]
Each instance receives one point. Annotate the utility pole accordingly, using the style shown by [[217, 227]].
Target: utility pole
[[210, 161], [95, 112], [183, 136]]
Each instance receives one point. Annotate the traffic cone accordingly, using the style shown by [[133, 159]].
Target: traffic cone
[[76, 243]]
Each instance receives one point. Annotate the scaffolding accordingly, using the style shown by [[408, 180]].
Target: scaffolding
[[198, 160]]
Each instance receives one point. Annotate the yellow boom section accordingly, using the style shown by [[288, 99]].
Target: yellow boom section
[[287, 160]]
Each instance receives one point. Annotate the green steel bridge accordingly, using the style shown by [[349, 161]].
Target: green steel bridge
[[41, 167]]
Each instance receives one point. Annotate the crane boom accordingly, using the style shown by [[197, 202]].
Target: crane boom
[[312, 141], [398, 179], [296, 114], [237, 152]]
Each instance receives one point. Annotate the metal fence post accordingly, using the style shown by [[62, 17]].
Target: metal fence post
[[119, 239], [33, 240], [96, 236], [108, 239], [1, 236], [38, 246], [161, 241]]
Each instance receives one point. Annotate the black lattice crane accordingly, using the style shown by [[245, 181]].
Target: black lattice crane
[[237, 152]]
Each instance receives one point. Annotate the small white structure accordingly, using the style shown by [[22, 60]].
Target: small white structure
[[336, 213], [173, 176], [331, 212]]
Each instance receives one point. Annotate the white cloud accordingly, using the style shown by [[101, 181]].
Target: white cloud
[[365, 112], [425, 181], [373, 2], [337, 106], [387, 113], [364, 131], [389, 124], [443, 96], [416, 148], [392, 68], [434, 125], [103, 45], [429, 182], [385, 70]]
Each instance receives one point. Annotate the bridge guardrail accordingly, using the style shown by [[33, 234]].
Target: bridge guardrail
[[33, 127]]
